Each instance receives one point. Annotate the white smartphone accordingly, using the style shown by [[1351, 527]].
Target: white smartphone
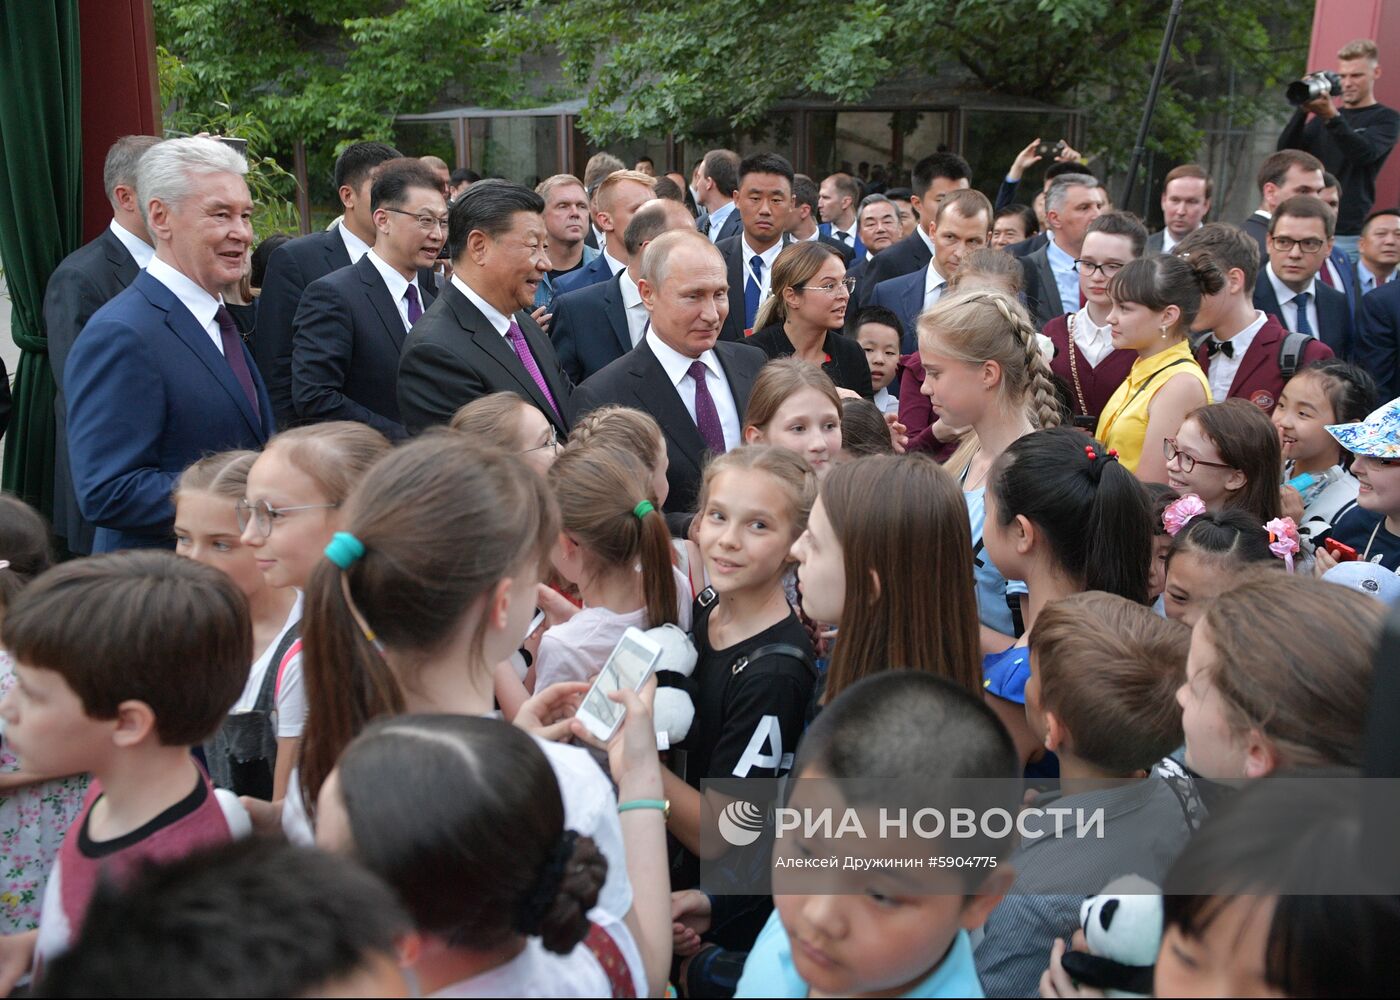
[[535, 623], [632, 661]]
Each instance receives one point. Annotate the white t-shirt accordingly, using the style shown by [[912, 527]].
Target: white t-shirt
[[536, 972], [291, 694], [590, 808], [576, 650]]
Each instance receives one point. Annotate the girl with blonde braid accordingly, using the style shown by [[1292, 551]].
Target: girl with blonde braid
[[983, 369]]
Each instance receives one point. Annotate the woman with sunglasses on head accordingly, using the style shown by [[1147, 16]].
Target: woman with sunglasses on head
[[804, 315]]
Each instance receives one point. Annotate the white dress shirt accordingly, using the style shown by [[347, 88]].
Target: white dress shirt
[[600, 237], [614, 265], [886, 402], [1223, 369], [499, 321], [1094, 342], [849, 239], [632, 304], [201, 304], [1066, 277], [397, 285], [718, 218], [354, 246], [1288, 307], [765, 280], [677, 367], [934, 285], [140, 250], [1365, 280], [928, 240]]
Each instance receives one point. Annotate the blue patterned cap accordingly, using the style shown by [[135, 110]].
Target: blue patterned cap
[[1378, 436]]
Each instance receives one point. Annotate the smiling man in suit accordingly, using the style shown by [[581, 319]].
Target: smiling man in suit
[[478, 337], [695, 385], [159, 376], [85, 281], [961, 224], [594, 326], [351, 324], [619, 195], [296, 264], [1300, 238], [764, 198]]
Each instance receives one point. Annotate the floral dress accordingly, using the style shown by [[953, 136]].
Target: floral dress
[[33, 820]]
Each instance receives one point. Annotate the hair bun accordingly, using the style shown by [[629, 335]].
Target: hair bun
[[563, 922]]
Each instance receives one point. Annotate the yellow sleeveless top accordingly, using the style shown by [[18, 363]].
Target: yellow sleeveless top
[[1123, 425]]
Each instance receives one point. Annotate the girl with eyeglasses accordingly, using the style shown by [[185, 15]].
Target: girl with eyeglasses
[[505, 420], [805, 313], [1227, 454]]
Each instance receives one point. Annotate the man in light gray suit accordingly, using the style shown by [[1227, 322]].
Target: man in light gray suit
[[1052, 284]]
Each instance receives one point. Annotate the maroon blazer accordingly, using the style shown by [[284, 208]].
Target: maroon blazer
[[1098, 383], [1258, 378], [916, 412]]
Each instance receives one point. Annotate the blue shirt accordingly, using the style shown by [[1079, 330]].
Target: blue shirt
[[769, 970], [1066, 277], [718, 218], [992, 587]]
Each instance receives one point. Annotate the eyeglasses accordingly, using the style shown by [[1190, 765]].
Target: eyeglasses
[[1171, 451], [263, 514], [1089, 267], [427, 223], [848, 284], [1285, 244], [552, 444]]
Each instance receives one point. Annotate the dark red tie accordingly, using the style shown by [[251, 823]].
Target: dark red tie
[[1326, 275], [233, 354]]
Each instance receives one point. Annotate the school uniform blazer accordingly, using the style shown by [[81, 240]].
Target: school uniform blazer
[[1333, 315], [454, 355], [904, 257], [595, 272], [589, 328], [85, 281], [1377, 347], [347, 338], [1098, 382], [148, 393], [637, 380], [1258, 378], [1041, 290], [904, 296], [733, 250]]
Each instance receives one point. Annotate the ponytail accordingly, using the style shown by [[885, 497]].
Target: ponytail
[[1093, 512], [607, 505]]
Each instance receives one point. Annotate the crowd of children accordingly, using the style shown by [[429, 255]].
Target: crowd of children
[[329, 744]]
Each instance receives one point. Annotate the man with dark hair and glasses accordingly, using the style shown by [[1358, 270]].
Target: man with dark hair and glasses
[[1300, 238], [351, 324]]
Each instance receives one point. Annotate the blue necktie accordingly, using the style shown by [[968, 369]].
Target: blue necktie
[[1302, 325], [752, 291]]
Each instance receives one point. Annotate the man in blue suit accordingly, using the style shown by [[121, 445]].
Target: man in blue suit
[[618, 197], [961, 224], [837, 201], [594, 326], [1337, 270], [160, 376], [1300, 238]]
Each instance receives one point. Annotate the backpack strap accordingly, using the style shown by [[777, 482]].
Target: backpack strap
[[786, 649], [1290, 352], [293, 651]]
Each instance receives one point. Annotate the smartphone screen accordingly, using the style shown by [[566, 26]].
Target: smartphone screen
[[627, 667]]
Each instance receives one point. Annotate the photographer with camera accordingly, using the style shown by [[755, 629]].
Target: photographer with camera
[[1351, 141]]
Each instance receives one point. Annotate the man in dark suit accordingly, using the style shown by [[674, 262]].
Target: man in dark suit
[[1051, 282], [1377, 347], [1285, 174], [599, 166], [961, 224], [695, 385], [1337, 270], [351, 324], [83, 282], [879, 226], [1378, 251], [934, 177], [1186, 195], [716, 182], [296, 264], [802, 219], [159, 376], [618, 197], [837, 201], [478, 337], [1240, 345], [764, 198], [594, 326], [1300, 238]]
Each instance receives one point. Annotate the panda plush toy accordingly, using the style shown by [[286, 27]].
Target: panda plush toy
[[1123, 929]]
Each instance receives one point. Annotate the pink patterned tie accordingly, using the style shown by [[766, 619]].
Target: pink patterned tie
[[522, 351]]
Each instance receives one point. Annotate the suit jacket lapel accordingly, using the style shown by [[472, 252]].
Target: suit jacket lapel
[[740, 380], [187, 329], [1267, 301], [336, 254], [1047, 279], [120, 258], [384, 306], [493, 344], [547, 361], [616, 311], [659, 397], [914, 297], [1263, 347], [736, 287]]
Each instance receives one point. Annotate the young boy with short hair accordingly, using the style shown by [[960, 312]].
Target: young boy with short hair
[[1102, 696], [898, 931], [124, 662], [878, 332]]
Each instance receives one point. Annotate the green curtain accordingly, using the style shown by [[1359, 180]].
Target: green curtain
[[40, 213]]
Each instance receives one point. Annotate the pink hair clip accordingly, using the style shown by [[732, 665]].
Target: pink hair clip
[[1179, 512], [1283, 539]]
